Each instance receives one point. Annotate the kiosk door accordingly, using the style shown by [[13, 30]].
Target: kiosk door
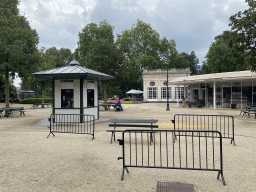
[[90, 97]]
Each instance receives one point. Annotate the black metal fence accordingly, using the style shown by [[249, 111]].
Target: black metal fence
[[71, 123], [190, 152], [222, 123]]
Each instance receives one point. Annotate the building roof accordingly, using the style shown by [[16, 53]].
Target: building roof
[[72, 71], [227, 76]]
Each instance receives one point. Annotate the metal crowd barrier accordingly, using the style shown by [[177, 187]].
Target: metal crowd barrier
[[190, 152], [71, 123], [222, 123]]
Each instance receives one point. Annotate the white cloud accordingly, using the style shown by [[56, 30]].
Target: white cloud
[[192, 24]]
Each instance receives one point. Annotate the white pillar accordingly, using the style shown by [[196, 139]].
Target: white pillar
[[252, 92], [177, 95], [241, 95], [222, 96], [206, 93], [214, 95]]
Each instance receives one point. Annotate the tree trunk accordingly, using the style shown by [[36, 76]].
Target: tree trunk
[[7, 94]]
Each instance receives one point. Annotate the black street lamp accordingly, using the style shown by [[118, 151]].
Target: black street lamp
[[167, 109]]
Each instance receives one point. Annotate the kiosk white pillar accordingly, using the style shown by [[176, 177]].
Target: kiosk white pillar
[[214, 95]]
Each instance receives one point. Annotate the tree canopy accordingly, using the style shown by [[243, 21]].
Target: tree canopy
[[97, 50], [48, 59], [244, 40], [223, 57], [18, 43], [139, 46]]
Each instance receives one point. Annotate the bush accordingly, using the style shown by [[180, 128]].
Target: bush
[[34, 100], [138, 99], [102, 102], [127, 102], [127, 99]]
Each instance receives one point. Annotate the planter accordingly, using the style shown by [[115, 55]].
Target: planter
[[233, 106]]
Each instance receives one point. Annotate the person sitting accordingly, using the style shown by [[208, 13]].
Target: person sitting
[[118, 106]]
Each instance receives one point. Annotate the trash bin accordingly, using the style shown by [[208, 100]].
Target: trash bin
[[233, 106]]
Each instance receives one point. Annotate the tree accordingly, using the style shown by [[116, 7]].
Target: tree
[[244, 24], [65, 57], [18, 44], [140, 48], [60, 57], [192, 61], [222, 57], [48, 59], [168, 52], [12, 88], [96, 50]]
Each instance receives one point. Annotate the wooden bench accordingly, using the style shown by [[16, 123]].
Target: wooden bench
[[9, 111], [35, 105], [141, 123], [248, 111]]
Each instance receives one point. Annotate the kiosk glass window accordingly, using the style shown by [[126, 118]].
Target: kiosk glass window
[[67, 98]]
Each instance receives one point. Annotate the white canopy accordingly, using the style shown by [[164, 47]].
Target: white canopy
[[227, 76], [132, 91]]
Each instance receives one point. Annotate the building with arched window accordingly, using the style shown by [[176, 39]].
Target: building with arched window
[[155, 84]]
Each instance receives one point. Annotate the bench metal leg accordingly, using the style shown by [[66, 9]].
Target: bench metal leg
[[122, 177], [111, 138], [50, 134], [222, 177]]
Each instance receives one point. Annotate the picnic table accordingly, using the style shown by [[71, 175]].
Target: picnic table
[[9, 111], [35, 105], [142, 123], [248, 110]]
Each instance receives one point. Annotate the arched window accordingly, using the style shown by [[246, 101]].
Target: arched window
[[152, 83], [165, 83]]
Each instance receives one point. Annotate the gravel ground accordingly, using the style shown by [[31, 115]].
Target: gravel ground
[[70, 162]]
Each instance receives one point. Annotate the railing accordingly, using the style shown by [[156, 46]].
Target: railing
[[72, 123], [222, 123], [203, 152], [170, 70]]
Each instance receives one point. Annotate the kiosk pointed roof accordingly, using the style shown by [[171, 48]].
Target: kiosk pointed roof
[[72, 71]]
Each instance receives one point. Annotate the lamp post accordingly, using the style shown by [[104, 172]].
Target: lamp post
[[167, 109]]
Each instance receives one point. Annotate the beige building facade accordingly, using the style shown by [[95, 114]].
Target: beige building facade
[[155, 84]]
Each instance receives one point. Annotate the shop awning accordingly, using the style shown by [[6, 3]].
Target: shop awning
[[227, 76]]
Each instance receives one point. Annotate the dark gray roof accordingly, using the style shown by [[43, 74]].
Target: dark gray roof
[[72, 72]]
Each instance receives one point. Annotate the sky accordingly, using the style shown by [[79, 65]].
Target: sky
[[193, 24]]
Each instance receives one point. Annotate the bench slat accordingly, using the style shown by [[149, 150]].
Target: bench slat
[[130, 131], [133, 120], [129, 125]]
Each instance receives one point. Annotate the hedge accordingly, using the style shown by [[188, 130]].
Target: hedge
[[35, 100], [127, 102]]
